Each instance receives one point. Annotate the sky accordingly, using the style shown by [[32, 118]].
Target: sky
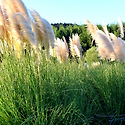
[[75, 11]]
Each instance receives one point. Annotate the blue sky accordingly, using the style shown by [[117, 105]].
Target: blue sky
[[74, 11]]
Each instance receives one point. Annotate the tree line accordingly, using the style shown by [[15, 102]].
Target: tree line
[[67, 30]]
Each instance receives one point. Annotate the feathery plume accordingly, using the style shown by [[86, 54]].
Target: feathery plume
[[11, 3], [1, 17], [121, 27], [49, 32], [40, 27], [122, 46], [116, 47], [95, 27], [46, 35], [11, 28], [61, 50], [20, 7], [77, 51], [35, 30], [26, 29], [66, 45], [7, 34], [106, 30], [2, 29], [17, 25], [91, 29], [75, 46], [104, 46], [27, 35]]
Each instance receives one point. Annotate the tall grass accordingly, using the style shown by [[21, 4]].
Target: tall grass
[[57, 94]]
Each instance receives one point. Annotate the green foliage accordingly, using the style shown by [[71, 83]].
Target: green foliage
[[114, 28], [92, 55], [58, 94]]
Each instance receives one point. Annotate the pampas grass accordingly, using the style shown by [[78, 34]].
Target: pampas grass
[[92, 29], [102, 40], [75, 46], [119, 47], [26, 29], [61, 49], [104, 46], [14, 32], [6, 23], [121, 28], [45, 32], [18, 27], [20, 30], [122, 46], [106, 30], [66, 45], [1, 24], [116, 47], [35, 30], [19, 6]]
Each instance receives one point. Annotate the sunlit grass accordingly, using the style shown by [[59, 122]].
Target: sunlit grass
[[54, 93]]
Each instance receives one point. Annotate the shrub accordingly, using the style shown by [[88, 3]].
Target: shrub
[[91, 55]]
